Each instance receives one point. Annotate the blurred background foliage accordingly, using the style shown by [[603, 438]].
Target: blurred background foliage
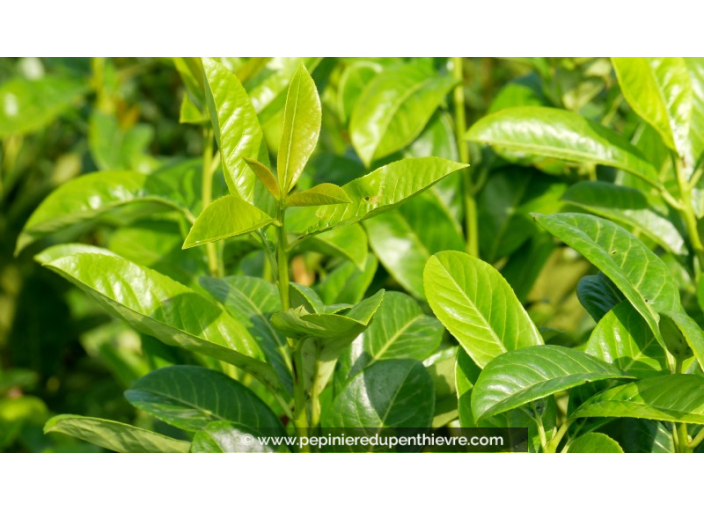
[[61, 118]]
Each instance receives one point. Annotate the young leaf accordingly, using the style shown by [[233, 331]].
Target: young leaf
[[405, 238], [302, 120], [190, 398], [555, 133], [519, 377], [594, 442], [628, 206], [675, 398], [322, 194], [228, 216], [660, 92], [476, 305], [158, 306], [374, 193], [115, 436], [266, 177], [624, 339], [227, 437], [92, 196], [394, 108], [639, 274], [252, 301], [267, 89], [237, 132], [598, 295]]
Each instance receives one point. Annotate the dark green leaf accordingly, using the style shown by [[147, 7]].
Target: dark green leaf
[[598, 295]]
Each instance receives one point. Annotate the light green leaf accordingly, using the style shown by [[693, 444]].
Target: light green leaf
[[266, 177], [302, 120], [594, 442], [346, 283], [374, 193], [555, 133], [695, 67], [91, 197], [519, 377], [228, 216], [627, 206], [353, 81], [394, 108], [116, 148], [226, 437], [322, 194], [660, 92], [28, 106], [598, 295], [237, 132], [476, 305], [405, 238], [676, 398], [624, 339], [158, 306], [252, 301], [639, 274], [190, 398], [349, 242], [115, 436]]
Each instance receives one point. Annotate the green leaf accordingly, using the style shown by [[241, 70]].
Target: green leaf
[[639, 274], [226, 437], [302, 120], [400, 330], [624, 339], [374, 193], [190, 398], [237, 132], [28, 106], [158, 306], [519, 377], [346, 283], [252, 301], [627, 206], [115, 436], [555, 133], [116, 148], [349, 242], [394, 108], [266, 177], [598, 295], [594, 442], [476, 305], [683, 336], [390, 393], [405, 238], [676, 398], [353, 81], [322, 194], [695, 66], [229, 216], [91, 197], [660, 92], [299, 323]]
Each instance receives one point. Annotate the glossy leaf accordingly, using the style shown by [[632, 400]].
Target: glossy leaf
[[353, 81], [158, 306], [115, 436], [638, 273], [624, 339], [676, 398], [91, 197], [347, 283], [228, 216], [349, 242], [374, 193], [405, 238], [519, 377], [190, 398], [627, 206], [226, 437], [695, 67], [476, 305], [322, 194], [660, 92], [554, 133], [394, 108], [594, 442], [302, 120], [598, 295], [266, 177], [683, 336]]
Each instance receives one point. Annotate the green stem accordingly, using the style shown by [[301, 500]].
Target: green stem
[[470, 204], [697, 440], [555, 441], [207, 198]]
